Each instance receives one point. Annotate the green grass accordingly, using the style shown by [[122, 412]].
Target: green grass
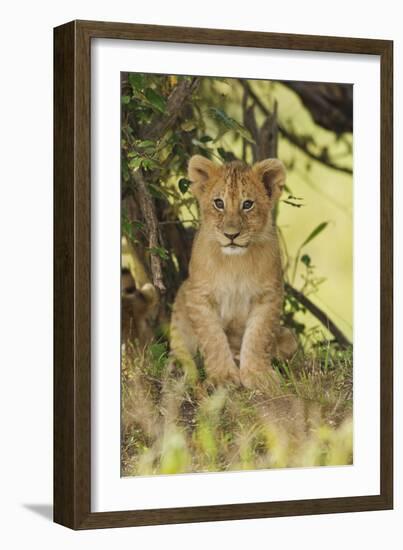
[[171, 427]]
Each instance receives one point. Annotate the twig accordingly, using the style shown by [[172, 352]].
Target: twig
[[292, 138], [340, 338], [176, 222], [244, 109], [154, 239]]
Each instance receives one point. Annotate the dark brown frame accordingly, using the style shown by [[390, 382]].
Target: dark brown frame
[[72, 319]]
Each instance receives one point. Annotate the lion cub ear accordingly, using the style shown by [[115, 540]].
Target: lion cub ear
[[272, 174], [200, 170]]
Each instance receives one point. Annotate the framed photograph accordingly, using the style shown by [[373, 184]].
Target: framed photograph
[[222, 275]]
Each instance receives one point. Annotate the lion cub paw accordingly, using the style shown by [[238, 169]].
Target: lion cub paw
[[259, 378], [225, 375]]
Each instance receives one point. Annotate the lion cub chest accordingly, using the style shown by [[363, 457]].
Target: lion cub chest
[[234, 300]]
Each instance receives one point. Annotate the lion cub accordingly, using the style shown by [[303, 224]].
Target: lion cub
[[229, 307], [137, 306]]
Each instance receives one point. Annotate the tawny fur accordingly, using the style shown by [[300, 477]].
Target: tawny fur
[[229, 307], [137, 305]]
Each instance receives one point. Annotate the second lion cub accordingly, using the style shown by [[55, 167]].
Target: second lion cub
[[229, 307]]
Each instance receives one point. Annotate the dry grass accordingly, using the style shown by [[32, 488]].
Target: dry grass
[[170, 426]]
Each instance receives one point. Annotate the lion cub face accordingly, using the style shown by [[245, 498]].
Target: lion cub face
[[236, 200]]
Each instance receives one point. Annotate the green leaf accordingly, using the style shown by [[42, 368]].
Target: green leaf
[[183, 184], [127, 228], [130, 228], [125, 99], [159, 251], [157, 100], [306, 260], [165, 152], [137, 81], [226, 155], [135, 163], [145, 144], [138, 225], [231, 124], [205, 139], [315, 233], [149, 164]]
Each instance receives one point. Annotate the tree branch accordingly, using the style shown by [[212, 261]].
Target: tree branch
[[154, 238], [340, 338], [176, 101], [331, 105], [292, 138], [154, 131]]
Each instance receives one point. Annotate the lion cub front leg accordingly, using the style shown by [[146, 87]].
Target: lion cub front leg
[[258, 345], [219, 364]]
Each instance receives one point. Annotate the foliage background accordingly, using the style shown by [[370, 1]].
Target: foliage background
[[215, 111], [167, 119]]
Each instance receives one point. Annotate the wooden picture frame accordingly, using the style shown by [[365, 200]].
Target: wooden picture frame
[[72, 271]]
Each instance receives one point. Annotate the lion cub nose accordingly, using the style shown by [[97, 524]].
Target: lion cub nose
[[231, 236]]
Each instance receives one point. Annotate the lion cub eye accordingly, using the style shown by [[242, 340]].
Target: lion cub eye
[[247, 205], [219, 204]]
